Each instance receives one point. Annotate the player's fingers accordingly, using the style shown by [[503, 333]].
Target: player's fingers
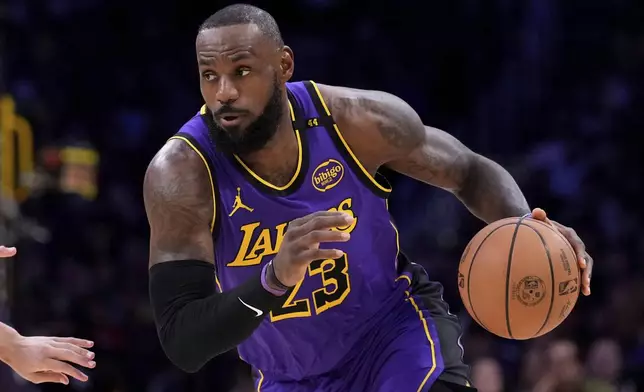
[[577, 245], [570, 234], [65, 368], [587, 275], [339, 219], [320, 254], [303, 220], [539, 214], [7, 252], [43, 377], [71, 353], [75, 341], [319, 236]]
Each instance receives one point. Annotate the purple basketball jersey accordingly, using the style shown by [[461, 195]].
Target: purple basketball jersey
[[339, 300]]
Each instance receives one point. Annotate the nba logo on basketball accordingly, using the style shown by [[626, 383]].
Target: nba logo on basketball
[[327, 175]]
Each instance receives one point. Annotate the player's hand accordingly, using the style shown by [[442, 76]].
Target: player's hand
[[584, 260], [7, 252], [41, 359], [301, 244]]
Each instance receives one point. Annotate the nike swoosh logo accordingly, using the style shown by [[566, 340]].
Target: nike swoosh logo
[[254, 309]]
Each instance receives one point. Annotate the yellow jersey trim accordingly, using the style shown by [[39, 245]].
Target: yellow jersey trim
[[212, 189], [261, 380], [407, 278], [429, 338], [346, 145]]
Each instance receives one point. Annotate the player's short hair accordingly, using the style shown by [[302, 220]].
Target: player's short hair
[[237, 14]]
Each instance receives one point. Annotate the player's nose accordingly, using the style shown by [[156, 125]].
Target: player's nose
[[227, 92]]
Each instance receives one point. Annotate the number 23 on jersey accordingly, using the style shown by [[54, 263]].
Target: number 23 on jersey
[[335, 288]]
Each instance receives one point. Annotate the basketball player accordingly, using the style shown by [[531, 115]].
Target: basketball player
[[41, 359], [306, 279]]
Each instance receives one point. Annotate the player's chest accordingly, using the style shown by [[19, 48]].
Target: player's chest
[[252, 225]]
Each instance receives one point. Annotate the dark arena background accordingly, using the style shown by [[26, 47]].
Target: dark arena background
[[551, 89]]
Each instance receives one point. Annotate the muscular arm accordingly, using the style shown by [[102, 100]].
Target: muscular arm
[[194, 322], [178, 201], [399, 140]]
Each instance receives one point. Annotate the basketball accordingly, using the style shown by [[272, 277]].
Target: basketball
[[519, 278]]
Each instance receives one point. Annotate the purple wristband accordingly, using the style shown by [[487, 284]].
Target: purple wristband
[[528, 215], [265, 283]]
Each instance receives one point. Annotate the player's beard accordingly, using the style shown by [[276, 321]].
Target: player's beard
[[241, 141]]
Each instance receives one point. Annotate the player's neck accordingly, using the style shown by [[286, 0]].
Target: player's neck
[[277, 161]]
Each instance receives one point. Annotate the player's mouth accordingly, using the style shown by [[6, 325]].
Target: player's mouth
[[230, 120]]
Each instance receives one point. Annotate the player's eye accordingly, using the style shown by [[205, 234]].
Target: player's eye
[[243, 71], [209, 77]]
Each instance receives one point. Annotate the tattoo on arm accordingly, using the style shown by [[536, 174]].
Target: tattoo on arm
[[439, 160], [179, 205], [398, 139], [490, 192], [394, 121]]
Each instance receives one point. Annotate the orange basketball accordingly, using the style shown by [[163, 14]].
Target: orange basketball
[[519, 278]]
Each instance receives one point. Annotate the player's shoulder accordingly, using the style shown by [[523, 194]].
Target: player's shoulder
[[173, 153], [369, 121], [176, 172], [348, 104], [332, 92]]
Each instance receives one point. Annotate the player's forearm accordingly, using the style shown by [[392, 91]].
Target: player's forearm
[[194, 322], [8, 336], [490, 192], [205, 328]]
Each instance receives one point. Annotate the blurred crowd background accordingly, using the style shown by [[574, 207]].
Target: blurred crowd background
[[553, 90]]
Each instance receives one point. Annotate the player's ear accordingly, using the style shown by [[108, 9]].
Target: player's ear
[[287, 64]]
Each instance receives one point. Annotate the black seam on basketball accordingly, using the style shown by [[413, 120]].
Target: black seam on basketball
[[552, 277], [469, 272], [507, 277]]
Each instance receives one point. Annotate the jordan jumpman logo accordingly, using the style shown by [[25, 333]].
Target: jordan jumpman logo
[[239, 204]]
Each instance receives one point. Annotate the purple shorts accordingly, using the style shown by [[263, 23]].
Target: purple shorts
[[402, 353]]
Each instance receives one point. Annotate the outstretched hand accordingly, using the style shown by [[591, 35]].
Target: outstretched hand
[[41, 359], [584, 260]]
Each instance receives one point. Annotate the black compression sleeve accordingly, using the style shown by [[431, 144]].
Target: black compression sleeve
[[194, 322]]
